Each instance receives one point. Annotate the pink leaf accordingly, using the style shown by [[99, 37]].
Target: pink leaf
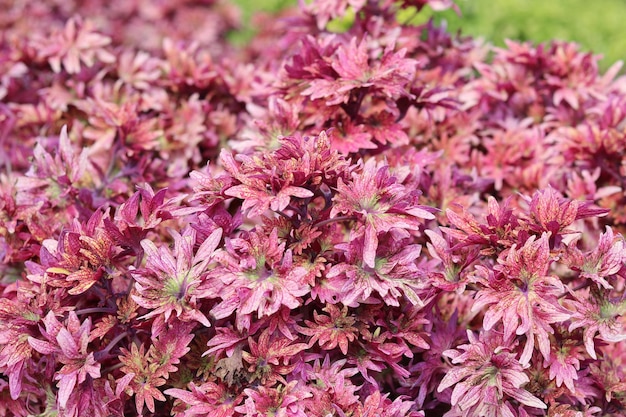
[[41, 346]]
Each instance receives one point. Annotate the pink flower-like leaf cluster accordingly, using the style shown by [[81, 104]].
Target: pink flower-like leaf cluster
[[382, 220]]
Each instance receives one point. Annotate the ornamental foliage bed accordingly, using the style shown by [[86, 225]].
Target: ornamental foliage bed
[[382, 220]]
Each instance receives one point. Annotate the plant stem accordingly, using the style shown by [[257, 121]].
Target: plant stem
[[579, 287], [111, 345], [95, 310], [334, 219]]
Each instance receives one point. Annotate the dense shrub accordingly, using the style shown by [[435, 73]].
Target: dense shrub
[[382, 220]]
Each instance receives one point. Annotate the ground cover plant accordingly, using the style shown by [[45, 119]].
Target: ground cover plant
[[368, 218]]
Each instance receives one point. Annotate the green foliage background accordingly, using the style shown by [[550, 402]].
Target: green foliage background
[[598, 25]]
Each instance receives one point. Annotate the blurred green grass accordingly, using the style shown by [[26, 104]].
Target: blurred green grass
[[598, 25], [248, 8]]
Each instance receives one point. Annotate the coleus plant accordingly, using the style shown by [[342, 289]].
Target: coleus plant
[[348, 216]]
